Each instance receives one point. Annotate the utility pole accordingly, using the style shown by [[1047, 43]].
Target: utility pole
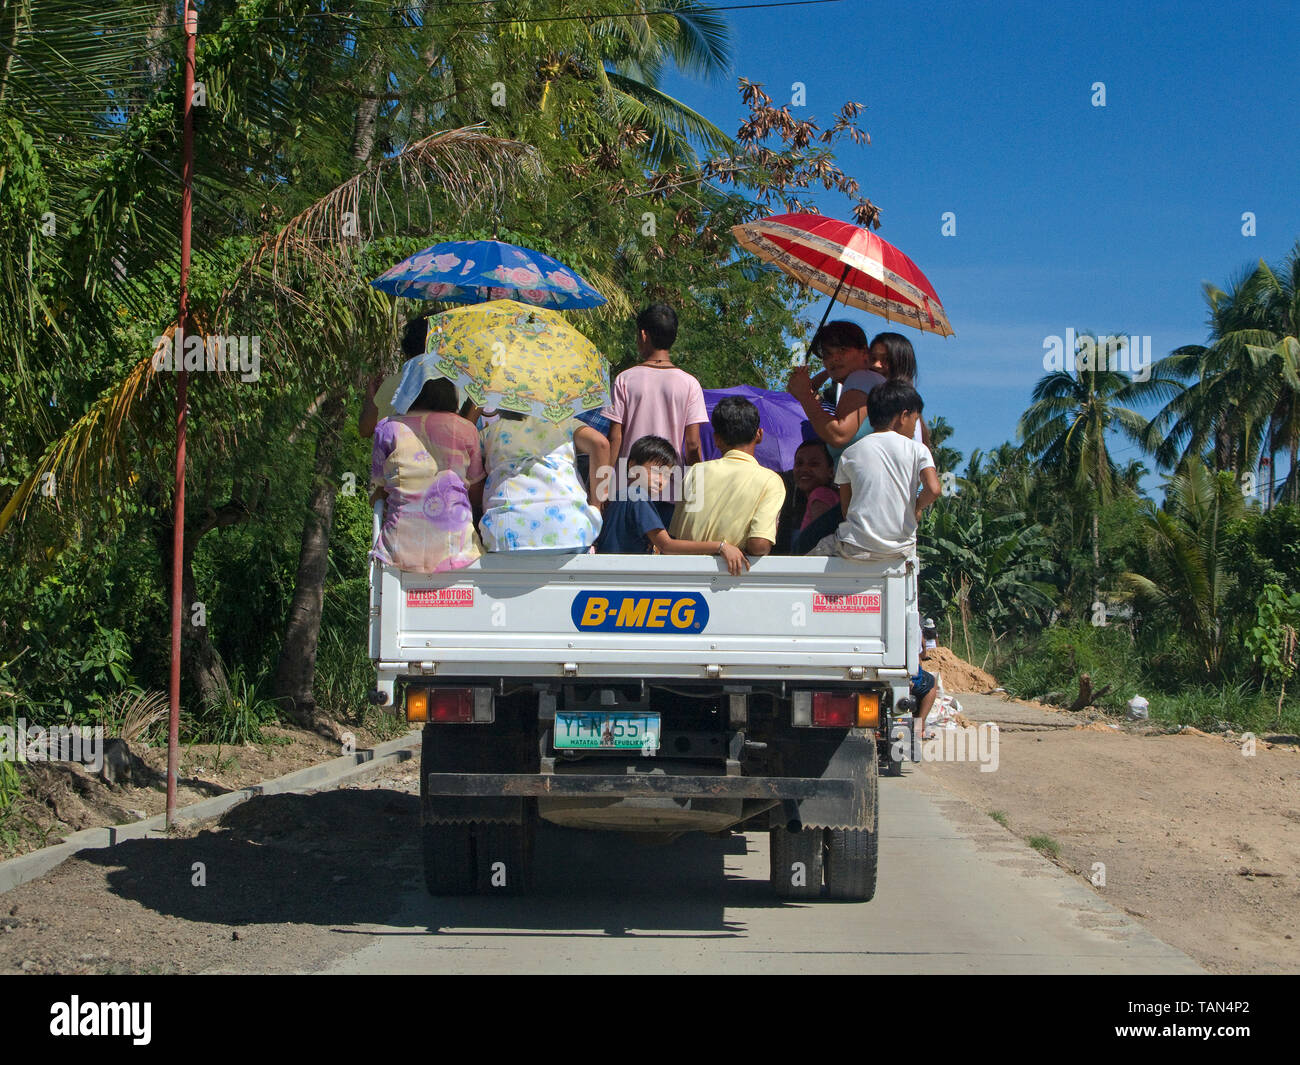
[[182, 382]]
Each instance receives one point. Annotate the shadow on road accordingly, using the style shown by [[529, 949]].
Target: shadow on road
[[606, 884], [347, 858]]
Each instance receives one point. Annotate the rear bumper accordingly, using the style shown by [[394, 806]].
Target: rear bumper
[[636, 785]]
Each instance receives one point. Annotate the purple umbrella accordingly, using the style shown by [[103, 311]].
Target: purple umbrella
[[783, 421]]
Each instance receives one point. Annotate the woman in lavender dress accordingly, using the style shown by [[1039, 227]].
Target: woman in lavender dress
[[427, 467]]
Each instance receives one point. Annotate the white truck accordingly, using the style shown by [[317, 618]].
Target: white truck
[[649, 694]]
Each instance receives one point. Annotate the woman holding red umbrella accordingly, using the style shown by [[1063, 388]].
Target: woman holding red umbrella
[[846, 357], [845, 354]]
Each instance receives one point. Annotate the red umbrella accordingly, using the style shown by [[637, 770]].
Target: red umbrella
[[847, 263]]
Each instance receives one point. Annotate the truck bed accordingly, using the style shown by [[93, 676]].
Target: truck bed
[[621, 617]]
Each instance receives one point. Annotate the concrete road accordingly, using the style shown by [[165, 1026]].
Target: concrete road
[[957, 894]]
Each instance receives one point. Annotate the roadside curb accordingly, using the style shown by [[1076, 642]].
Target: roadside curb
[[319, 777]]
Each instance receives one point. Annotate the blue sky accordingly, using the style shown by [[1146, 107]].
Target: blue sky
[[1068, 215]]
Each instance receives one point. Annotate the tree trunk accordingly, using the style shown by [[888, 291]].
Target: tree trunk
[[1087, 696], [964, 606], [367, 116], [206, 670], [1096, 557], [198, 655], [296, 670]]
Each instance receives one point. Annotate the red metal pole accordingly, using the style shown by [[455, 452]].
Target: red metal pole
[[182, 382]]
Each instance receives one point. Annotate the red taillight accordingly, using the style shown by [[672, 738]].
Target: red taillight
[[451, 705], [834, 710]]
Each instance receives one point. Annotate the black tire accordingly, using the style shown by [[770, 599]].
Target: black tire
[[448, 859], [893, 766], [503, 858], [851, 856], [796, 861]]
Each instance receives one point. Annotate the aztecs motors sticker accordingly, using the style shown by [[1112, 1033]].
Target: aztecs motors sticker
[[864, 603], [681, 612], [440, 597]]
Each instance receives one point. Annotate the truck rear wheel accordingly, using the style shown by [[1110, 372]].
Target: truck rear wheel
[[893, 766], [796, 862], [448, 859], [503, 857], [851, 856]]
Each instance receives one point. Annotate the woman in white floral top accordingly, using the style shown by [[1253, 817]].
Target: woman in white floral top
[[533, 499]]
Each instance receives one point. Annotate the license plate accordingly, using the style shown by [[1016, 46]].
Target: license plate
[[608, 731]]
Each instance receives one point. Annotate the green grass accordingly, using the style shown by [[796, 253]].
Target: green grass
[[1048, 669], [344, 675], [235, 717], [384, 724], [999, 816], [1045, 845]]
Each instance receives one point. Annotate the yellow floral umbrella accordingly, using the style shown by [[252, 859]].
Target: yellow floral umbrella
[[508, 355]]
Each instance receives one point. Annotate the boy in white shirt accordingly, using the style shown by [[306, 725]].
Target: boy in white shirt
[[879, 477]]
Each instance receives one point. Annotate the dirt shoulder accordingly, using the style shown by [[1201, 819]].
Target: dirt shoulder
[[274, 887], [59, 798], [1198, 840]]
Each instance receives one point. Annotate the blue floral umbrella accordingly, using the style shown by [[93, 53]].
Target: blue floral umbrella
[[475, 271]]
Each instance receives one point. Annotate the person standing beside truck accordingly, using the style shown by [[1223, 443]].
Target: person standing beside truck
[[923, 688], [732, 499], [656, 398]]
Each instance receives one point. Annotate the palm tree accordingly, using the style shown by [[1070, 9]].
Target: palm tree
[[945, 458], [1279, 313], [1066, 427], [1241, 400], [1186, 556], [622, 56], [89, 132]]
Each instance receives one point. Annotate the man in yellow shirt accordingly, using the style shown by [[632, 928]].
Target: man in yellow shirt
[[732, 499]]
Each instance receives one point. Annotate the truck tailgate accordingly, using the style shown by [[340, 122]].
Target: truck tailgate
[[632, 616]]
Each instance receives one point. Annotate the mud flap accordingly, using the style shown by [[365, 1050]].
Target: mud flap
[[854, 759], [453, 748]]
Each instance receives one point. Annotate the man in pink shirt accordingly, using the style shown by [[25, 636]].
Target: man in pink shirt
[[656, 398]]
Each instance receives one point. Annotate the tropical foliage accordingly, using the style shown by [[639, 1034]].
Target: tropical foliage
[[331, 139]]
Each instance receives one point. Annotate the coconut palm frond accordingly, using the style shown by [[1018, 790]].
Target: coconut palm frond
[[668, 122], [89, 455], [466, 165], [619, 306]]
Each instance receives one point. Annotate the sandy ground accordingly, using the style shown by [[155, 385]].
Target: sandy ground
[[956, 675], [1198, 840]]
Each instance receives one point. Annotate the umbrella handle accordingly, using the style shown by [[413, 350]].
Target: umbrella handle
[[816, 349]]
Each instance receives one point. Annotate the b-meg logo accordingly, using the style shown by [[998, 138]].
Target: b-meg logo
[[670, 612]]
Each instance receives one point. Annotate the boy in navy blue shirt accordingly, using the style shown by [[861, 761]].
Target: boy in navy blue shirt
[[637, 525]]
